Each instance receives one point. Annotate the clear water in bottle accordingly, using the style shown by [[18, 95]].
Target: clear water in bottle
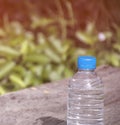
[[85, 95]]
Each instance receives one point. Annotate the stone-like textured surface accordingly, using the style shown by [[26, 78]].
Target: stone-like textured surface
[[46, 105]]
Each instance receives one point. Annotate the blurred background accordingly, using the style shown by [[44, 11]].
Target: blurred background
[[41, 39]]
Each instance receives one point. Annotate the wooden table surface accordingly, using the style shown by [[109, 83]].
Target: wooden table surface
[[46, 104]]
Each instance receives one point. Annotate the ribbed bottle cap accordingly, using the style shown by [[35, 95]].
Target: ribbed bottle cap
[[86, 62]]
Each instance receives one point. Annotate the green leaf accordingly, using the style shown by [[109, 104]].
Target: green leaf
[[17, 80], [37, 70], [2, 90], [86, 38], [38, 22], [41, 39], [52, 55], [117, 47], [56, 43], [79, 52], [54, 76], [20, 69], [115, 59], [32, 47], [24, 48], [34, 58], [6, 69], [108, 35], [28, 79], [8, 50], [60, 69], [68, 72], [66, 46]]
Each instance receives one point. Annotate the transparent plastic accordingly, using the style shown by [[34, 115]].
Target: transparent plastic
[[85, 99]]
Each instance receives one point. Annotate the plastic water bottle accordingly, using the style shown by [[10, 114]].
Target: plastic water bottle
[[85, 95]]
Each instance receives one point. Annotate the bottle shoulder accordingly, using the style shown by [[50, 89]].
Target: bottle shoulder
[[85, 80], [85, 75]]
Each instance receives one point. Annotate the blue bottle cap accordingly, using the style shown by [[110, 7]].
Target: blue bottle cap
[[86, 62]]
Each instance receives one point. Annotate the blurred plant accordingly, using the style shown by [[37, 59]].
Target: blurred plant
[[104, 45], [27, 59], [25, 63]]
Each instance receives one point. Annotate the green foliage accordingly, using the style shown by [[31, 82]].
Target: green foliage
[[104, 45], [27, 59], [25, 63]]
